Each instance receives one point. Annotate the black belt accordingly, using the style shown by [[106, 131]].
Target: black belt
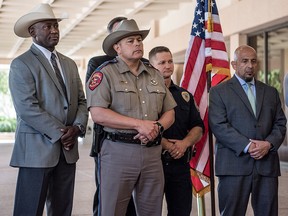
[[129, 138]]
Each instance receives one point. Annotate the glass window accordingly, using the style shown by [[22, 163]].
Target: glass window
[[272, 51]]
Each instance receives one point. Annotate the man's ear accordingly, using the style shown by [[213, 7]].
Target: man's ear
[[116, 47], [31, 30], [233, 63]]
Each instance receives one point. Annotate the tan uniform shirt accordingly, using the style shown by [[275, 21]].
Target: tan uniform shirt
[[143, 97]]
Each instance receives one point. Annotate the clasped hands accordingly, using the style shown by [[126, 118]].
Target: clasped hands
[[147, 131], [176, 148], [258, 149], [69, 137]]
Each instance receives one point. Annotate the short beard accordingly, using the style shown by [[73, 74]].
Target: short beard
[[248, 79]]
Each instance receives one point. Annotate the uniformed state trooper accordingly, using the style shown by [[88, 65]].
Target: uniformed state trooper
[[130, 99], [93, 64], [178, 139]]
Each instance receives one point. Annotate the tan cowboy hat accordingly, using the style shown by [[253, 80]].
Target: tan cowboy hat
[[39, 13], [126, 28]]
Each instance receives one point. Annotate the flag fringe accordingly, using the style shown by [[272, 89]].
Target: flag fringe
[[203, 177], [203, 191]]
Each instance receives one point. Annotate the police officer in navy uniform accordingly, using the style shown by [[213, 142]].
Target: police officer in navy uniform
[[130, 99], [178, 139]]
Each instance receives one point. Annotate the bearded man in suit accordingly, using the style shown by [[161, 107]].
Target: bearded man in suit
[[51, 113], [249, 128]]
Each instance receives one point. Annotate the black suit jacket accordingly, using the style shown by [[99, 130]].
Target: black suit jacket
[[233, 123]]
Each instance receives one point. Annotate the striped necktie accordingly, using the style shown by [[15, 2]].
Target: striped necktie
[[58, 73], [251, 97]]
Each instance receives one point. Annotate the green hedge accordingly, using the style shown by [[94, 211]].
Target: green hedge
[[7, 124]]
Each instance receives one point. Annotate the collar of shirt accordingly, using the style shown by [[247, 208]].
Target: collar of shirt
[[172, 85], [46, 52], [244, 86], [243, 82], [124, 68]]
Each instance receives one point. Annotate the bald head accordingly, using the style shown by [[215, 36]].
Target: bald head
[[245, 62], [242, 48]]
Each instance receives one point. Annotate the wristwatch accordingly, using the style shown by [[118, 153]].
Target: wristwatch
[[82, 129], [161, 128]]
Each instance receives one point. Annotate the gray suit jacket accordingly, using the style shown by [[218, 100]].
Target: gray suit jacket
[[233, 123], [42, 108]]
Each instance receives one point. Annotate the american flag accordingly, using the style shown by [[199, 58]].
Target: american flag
[[206, 53]]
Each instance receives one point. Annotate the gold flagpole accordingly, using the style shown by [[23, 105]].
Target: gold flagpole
[[209, 21], [201, 205], [201, 198], [209, 70]]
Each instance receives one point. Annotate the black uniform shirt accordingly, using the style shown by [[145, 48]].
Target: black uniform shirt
[[187, 114]]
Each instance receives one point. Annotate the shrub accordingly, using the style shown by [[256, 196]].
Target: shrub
[[7, 124]]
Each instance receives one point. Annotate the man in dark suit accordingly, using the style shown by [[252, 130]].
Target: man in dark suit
[[248, 134], [51, 113]]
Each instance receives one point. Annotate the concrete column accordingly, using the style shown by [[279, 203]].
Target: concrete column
[[235, 41]]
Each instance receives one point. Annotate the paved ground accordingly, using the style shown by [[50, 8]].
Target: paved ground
[[84, 188]]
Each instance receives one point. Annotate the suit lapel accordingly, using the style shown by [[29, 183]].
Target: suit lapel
[[238, 89], [259, 96], [43, 60]]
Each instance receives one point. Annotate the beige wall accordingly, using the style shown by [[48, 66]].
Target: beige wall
[[250, 15]]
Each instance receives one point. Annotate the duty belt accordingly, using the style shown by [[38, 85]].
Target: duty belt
[[129, 138]]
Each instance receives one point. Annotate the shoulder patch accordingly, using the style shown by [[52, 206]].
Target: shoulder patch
[[97, 75], [185, 96], [95, 80]]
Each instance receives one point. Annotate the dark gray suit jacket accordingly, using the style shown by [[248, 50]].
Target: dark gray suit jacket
[[42, 108], [233, 123]]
